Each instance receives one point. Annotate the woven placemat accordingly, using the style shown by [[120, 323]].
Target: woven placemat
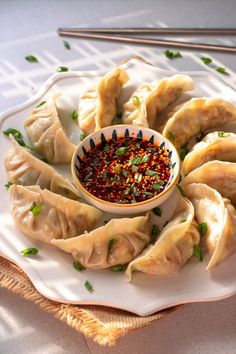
[[102, 324]]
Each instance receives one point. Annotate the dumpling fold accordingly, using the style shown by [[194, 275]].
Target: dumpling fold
[[198, 115], [174, 246], [118, 242], [43, 215], [47, 134], [150, 99], [220, 217], [97, 106], [24, 168], [214, 146]]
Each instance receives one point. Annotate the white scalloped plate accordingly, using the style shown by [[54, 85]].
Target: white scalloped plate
[[51, 270]]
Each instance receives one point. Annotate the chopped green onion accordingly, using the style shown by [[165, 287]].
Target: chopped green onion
[[88, 176], [82, 137], [197, 252], [136, 101], [134, 168], [148, 193], [222, 70], [206, 60], [88, 286], [66, 45], [133, 201], [125, 173], [202, 228], [140, 159], [36, 208], [151, 173], [223, 135], [183, 151], [106, 148], [74, 115], [172, 55], [138, 177], [182, 192], [111, 243], [121, 151], [156, 186], [31, 58], [180, 179], [183, 220], [8, 184], [17, 135], [155, 230], [78, 266], [119, 268], [118, 169], [119, 115], [29, 251], [171, 137], [157, 211], [41, 104], [62, 69]]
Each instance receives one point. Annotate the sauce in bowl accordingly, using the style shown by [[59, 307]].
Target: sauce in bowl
[[125, 170]]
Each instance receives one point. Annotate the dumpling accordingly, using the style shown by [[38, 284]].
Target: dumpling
[[97, 106], [118, 242], [174, 246], [170, 114], [152, 98], [215, 146], [220, 216], [43, 215], [198, 115], [216, 174], [47, 135], [24, 168]]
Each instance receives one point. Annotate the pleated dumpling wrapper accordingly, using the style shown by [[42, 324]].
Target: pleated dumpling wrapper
[[43, 215], [97, 106], [174, 246], [214, 146], [198, 115], [216, 174], [152, 98], [47, 134], [118, 242], [220, 218], [24, 168]]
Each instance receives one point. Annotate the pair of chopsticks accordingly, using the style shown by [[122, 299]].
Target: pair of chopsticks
[[123, 35]]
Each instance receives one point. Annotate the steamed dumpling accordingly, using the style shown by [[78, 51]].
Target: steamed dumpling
[[47, 135], [216, 174], [151, 99], [58, 216], [198, 115], [215, 146], [96, 250], [220, 216], [24, 168], [174, 246], [97, 106]]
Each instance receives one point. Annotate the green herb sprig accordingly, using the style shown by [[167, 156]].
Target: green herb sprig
[[172, 55], [88, 286], [31, 58], [17, 135], [31, 251], [78, 266]]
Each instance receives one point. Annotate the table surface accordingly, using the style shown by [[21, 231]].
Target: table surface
[[29, 27]]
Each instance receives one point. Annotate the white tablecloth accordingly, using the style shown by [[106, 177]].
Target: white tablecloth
[[28, 27]]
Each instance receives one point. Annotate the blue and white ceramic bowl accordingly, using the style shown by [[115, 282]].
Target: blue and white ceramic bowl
[[107, 134]]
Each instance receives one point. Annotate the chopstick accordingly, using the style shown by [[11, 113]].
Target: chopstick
[[150, 41], [160, 31]]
